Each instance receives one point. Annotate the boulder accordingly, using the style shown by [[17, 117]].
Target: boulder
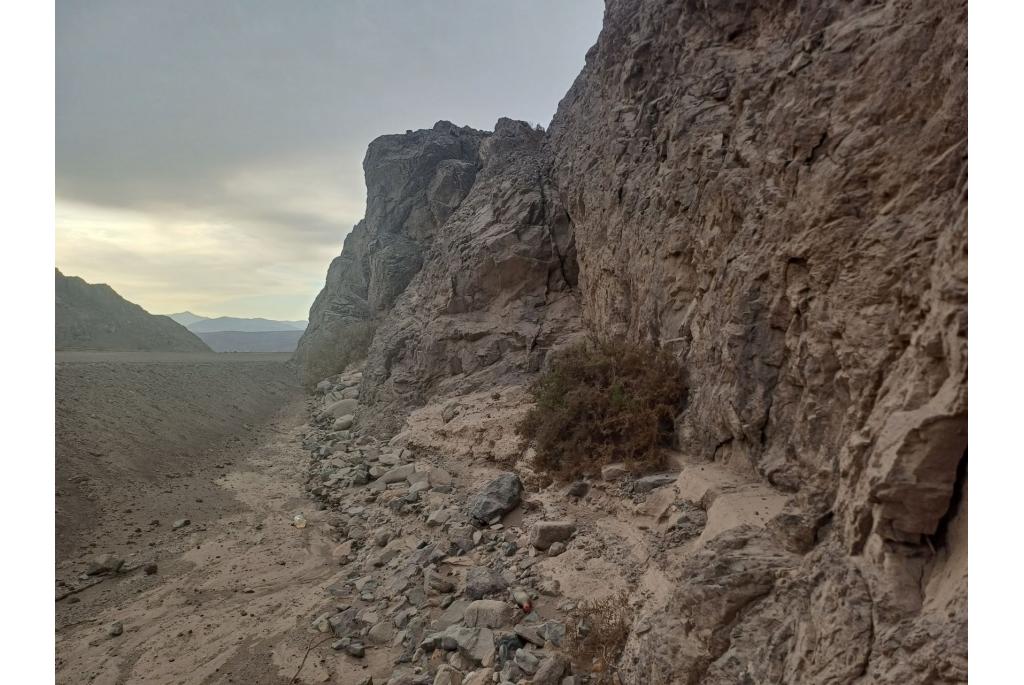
[[107, 563], [482, 581], [342, 407], [447, 675], [488, 613], [544, 533], [657, 480], [475, 644], [498, 497], [614, 471], [398, 473], [550, 670], [381, 633]]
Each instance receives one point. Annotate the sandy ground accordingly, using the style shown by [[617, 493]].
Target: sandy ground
[[132, 426], [232, 597], [144, 440]]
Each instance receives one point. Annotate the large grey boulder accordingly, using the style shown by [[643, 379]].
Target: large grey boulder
[[482, 581], [475, 644], [498, 497], [342, 408], [546, 533]]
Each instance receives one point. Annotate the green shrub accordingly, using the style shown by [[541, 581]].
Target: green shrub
[[603, 402]]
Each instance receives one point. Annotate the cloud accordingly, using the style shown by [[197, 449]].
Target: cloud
[[209, 154]]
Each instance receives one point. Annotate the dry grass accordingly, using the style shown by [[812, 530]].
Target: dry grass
[[596, 634], [600, 403]]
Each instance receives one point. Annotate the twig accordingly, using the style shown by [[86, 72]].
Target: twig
[[306, 656]]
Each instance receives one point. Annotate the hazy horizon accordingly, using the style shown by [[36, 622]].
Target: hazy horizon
[[209, 155]]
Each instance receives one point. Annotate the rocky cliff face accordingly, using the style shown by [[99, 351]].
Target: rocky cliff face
[[777, 193], [414, 182], [464, 266]]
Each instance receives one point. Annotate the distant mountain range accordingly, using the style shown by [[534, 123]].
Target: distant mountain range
[[94, 317], [251, 341], [206, 324], [234, 334]]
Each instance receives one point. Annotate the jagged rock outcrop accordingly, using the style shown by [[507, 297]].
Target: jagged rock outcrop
[[777, 193], [414, 182], [495, 294], [465, 267], [91, 316]]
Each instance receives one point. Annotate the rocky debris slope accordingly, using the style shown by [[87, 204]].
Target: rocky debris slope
[[777, 193], [94, 317], [439, 568]]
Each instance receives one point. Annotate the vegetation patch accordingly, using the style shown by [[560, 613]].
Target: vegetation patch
[[603, 402], [596, 634]]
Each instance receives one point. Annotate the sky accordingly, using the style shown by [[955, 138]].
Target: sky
[[209, 153]]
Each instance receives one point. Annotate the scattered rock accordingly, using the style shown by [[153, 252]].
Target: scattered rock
[[398, 474], [545, 533], [550, 670], [475, 644], [657, 480], [614, 471], [499, 497], [450, 411], [578, 489], [488, 613], [446, 675], [343, 423], [342, 407], [108, 563], [482, 581], [180, 523], [381, 633]]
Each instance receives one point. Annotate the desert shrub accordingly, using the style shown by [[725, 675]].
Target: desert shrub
[[603, 402], [596, 633]]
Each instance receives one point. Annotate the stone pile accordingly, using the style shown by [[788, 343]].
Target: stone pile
[[430, 574]]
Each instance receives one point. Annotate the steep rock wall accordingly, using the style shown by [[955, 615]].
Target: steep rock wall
[[414, 181], [462, 272], [496, 292], [777, 191]]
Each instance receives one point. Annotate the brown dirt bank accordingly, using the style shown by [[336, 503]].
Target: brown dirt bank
[[139, 427]]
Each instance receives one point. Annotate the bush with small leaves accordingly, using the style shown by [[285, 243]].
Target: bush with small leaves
[[603, 402]]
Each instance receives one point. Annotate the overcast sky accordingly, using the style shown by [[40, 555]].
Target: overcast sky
[[209, 152]]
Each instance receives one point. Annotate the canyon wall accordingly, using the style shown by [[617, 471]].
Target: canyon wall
[[776, 192]]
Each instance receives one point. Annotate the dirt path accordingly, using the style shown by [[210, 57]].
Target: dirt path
[[230, 592]]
